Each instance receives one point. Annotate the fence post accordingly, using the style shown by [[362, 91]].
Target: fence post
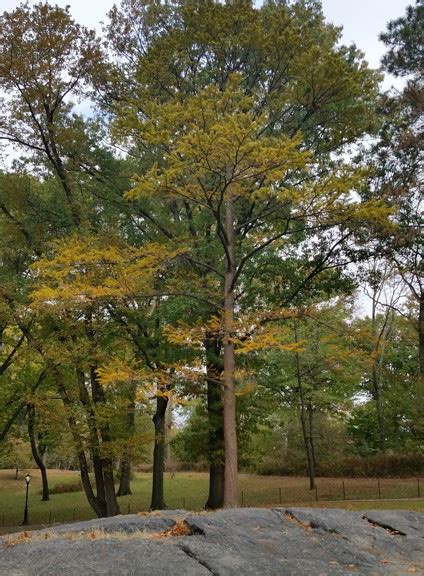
[[379, 488], [280, 491], [50, 517], [316, 492], [344, 490], [242, 498], [418, 488]]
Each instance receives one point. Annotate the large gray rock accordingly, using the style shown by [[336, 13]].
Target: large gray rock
[[240, 542]]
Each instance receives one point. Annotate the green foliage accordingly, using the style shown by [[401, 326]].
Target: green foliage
[[16, 453], [405, 39], [115, 267]]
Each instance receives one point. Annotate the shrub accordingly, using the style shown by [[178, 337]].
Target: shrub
[[74, 485], [375, 466]]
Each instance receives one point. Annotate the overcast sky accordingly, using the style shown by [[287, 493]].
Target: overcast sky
[[362, 20]]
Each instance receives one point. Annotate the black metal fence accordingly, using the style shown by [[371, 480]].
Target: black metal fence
[[332, 490]]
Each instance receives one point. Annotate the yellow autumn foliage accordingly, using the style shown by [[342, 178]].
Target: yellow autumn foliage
[[83, 269]]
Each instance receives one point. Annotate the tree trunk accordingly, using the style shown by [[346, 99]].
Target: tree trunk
[[159, 421], [311, 433], [230, 433], [125, 465], [216, 431], [306, 432], [112, 506], [307, 442], [379, 407], [125, 478], [36, 454], [168, 434], [421, 333], [378, 350], [97, 505], [105, 465], [94, 444]]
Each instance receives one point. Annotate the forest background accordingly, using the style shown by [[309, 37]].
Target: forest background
[[180, 270]]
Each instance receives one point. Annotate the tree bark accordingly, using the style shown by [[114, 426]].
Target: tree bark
[[125, 478], [306, 432], [230, 433], [312, 433], [95, 503], [376, 375], [421, 333], [94, 444], [112, 506], [105, 463], [125, 465], [36, 454], [377, 393], [216, 430], [159, 421]]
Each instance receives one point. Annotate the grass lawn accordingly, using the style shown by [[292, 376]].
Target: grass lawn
[[189, 490]]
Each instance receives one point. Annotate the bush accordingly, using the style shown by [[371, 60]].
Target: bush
[[375, 466], [75, 485], [176, 466]]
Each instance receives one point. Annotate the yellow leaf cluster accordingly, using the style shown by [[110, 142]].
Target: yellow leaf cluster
[[213, 145], [84, 269]]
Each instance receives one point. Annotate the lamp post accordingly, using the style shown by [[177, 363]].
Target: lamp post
[[27, 480]]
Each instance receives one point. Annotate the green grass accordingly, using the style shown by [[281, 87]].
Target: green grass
[[189, 490]]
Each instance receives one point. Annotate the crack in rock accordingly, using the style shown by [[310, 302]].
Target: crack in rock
[[292, 517], [192, 555], [312, 525], [387, 527]]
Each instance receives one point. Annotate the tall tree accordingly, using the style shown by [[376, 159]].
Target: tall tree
[[398, 153], [286, 56], [216, 157]]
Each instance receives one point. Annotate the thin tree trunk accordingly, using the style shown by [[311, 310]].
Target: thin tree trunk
[[230, 433], [304, 422], [168, 434], [376, 373], [36, 454], [421, 333], [311, 433], [159, 421], [216, 430], [125, 465], [379, 408]]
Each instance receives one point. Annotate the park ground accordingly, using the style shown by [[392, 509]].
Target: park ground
[[188, 490]]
